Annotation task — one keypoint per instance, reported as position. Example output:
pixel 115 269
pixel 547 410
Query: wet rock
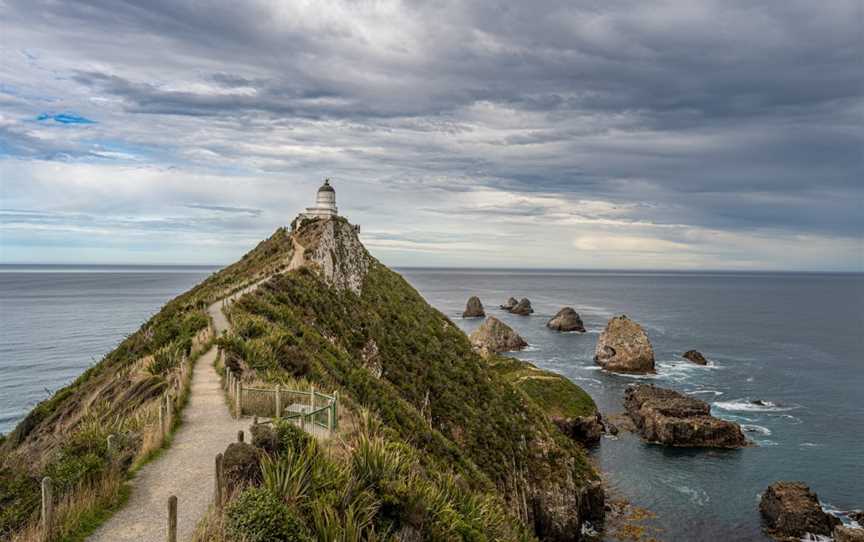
pixel 495 336
pixel 566 319
pixel 848 534
pixel 474 308
pixel 583 429
pixel 790 510
pixel 240 464
pixel 695 356
pixel 509 304
pixel 667 417
pixel 857 515
pixel 523 308
pixel 624 347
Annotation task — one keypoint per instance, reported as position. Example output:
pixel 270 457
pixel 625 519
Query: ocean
pixel 792 340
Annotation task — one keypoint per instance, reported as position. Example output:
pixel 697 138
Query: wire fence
pixel 310 409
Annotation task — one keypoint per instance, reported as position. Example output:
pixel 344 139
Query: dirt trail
pixel 186 469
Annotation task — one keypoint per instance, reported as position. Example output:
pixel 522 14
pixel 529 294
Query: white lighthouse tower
pixel 325 203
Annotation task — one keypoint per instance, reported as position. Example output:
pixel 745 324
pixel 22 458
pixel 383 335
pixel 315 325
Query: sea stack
pixel 791 510
pixel 509 304
pixel 566 319
pixel 474 308
pixel 695 356
pixel 494 336
pixel 667 417
pixel 624 347
pixel 523 308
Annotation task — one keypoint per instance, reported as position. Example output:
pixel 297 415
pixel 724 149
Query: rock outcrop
pixel 474 308
pixel 333 246
pixel 523 308
pixel 624 347
pixel 790 510
pixel 583 429
pixel 495 336
pixel 695 356
pixel 667 417
pixel 566 319
pixel 509 304
pixel 848 534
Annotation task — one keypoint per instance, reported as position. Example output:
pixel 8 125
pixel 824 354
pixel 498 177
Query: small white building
pixel 325 203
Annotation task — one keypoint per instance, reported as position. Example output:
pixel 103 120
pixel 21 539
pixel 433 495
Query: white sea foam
pixel 810 537
pixel 752 428
pixel 810 445
pixel 696 495
pixel 744 405
pixel 697 392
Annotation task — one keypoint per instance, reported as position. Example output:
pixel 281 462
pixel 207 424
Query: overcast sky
pixel 588 134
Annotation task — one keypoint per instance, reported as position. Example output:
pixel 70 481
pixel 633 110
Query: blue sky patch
pixel 65 118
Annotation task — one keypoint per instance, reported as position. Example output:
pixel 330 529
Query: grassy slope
pixel 64 436
pixel 435 394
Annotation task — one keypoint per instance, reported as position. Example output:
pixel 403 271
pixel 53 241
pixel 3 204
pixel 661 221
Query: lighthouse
pixel 325 203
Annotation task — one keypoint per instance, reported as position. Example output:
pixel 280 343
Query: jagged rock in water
pixel 848 534
pixel 523 308
pixel 509 304
pixel 667 417
pixel 372 358
pixel 566 319
pixel 624 347
pixel 695 356
pixel 857 515
pixel 474 308
pixel 584 429
pixel 495 336
pixel 790 510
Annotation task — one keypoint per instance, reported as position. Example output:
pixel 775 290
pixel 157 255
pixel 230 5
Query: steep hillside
pixel 393 354
pixel 476 433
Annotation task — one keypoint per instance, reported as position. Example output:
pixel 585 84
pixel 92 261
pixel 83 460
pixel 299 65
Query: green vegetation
pixel 556 395
pixel 119 394
pixel 258 515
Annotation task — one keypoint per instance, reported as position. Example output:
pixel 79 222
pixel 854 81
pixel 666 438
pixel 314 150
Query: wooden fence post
pixel 47 509
pixel 238 398
pixel 169 413
pixel 218 486
pixel 240 436
pixel 172 518
pixel 312 399
pixel 162 417
pixel 330 417
pixel 278 401
pixel 335 409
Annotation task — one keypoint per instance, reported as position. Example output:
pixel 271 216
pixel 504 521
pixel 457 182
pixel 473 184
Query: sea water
pixel 793 341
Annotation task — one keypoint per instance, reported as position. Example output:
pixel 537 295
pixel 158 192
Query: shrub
pixel 265 437
pixel 291 437
pixel 240 463
pixel 257 515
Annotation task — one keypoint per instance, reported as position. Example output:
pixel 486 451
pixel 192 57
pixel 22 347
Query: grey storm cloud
pixel 737 115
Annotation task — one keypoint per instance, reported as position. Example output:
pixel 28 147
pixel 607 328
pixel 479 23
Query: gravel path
pixel 186 469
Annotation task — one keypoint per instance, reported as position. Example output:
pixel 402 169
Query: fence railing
pixel 309 409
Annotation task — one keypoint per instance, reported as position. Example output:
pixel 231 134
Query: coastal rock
pixel 584 429
pixel 495 336
pixel 695 356
pixel 523 308
pixel 857 515
pixel 474 308
pixel 509 304
pixel 667 417
pixel 790 510
pixel 566 319
pixel 624 347
pixel 848 534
